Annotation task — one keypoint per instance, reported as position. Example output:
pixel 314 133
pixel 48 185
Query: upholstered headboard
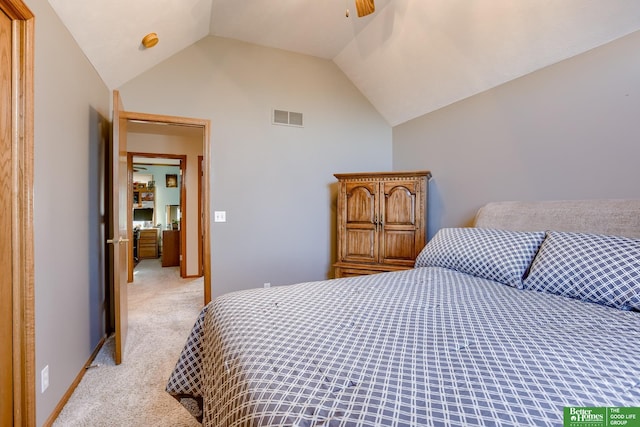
pixel 614 217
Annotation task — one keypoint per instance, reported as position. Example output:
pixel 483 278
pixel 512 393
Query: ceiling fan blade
pixel 365 7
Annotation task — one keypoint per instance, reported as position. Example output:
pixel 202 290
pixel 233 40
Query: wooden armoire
pixel 382 221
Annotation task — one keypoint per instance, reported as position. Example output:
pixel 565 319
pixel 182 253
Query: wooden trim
pixel 22 253
pixel 156 156
pixel 130 264
pixel 7 202
pixel 158 118
pixel 200 240
pixel 183 222
pixel 65 398
pixel 206 212
pixel 16 10
pixel 368 175
pixel 350 270
pixel 24 314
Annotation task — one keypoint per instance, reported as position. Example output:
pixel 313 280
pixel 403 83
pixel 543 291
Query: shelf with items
pixel 143 196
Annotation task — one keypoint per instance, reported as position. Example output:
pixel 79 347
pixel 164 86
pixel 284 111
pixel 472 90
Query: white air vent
pixel 287 118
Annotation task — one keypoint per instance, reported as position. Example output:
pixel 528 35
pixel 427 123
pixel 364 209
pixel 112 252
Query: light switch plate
pixel 44 379
pixel 220 216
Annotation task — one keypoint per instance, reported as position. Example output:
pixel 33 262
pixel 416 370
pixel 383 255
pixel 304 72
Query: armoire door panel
pixel 360 245
pixel 398 247
pixel 400 203
pixel 360 203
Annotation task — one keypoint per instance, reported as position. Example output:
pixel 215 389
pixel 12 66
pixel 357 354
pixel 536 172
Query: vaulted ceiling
pixel 408 58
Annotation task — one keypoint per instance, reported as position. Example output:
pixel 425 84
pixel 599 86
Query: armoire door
pixel 400 239
pixel 360 213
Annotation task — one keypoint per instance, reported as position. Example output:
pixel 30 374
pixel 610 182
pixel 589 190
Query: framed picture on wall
pixel 147 196
pixel 172 180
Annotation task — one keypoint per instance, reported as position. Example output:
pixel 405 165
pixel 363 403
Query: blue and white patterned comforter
pixel 422 347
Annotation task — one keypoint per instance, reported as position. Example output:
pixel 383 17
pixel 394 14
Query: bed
pixel 534 309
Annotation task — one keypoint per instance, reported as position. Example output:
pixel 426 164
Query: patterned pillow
pixel 589 267
pixel 499 255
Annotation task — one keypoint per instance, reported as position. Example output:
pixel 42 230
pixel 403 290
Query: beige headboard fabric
pixel 613 217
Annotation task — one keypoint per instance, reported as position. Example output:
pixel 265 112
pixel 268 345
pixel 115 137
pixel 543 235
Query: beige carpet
pixel 162 309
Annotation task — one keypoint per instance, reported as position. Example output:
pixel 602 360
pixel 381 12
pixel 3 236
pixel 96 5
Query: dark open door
pixel 119 240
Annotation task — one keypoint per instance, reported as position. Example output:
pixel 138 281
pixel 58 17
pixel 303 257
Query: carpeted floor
pixel 162 310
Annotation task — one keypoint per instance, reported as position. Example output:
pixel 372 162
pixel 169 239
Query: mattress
pixel 423 347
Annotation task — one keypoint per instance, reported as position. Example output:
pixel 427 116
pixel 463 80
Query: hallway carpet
pixel 162 310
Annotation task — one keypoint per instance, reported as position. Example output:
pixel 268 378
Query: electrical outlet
pixel 44 378
pixel 267 285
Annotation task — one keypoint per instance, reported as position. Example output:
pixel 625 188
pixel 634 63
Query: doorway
pixel 119 181
pixel 159 197
pixel 197 217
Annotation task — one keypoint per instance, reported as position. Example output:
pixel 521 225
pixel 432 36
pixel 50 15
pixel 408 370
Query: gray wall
pixel 275 182
pixel 71 124
pixel 569 131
